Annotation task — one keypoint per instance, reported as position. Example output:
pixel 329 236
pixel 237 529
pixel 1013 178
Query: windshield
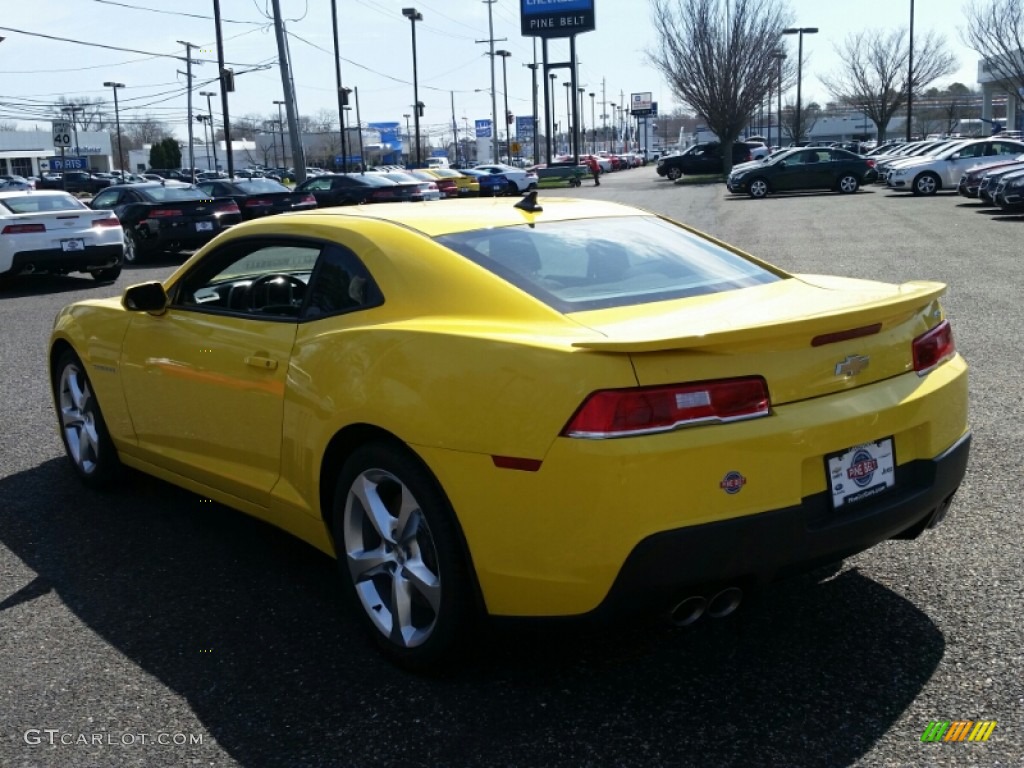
pixel 598 263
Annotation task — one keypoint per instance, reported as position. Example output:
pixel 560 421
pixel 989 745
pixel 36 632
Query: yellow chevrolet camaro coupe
pixel 553 409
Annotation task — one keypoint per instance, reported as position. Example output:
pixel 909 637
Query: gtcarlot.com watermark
pixel 55 737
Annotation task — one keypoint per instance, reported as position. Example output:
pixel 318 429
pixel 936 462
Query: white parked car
pixel 51 231
pixel 927 175
pixel 524 180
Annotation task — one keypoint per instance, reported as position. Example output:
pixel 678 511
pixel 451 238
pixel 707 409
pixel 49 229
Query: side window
pixel 105 199
pixel 259 278
pixel 341 283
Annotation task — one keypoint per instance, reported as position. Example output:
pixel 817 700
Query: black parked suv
pixel 706 158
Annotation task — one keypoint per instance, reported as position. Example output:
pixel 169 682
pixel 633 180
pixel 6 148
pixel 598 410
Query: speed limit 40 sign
pixel 61 133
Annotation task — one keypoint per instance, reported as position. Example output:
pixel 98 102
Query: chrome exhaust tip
pixel 687 611
pixel 725 602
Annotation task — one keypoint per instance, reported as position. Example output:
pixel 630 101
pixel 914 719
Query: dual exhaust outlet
pixel 723 603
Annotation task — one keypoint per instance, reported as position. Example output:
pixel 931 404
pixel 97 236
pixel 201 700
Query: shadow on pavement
pixel 812 674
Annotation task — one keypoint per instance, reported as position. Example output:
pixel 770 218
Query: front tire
pixel 758 189
pixel 926 184
pixel 400 553
pixel 82 428
pixel 848 184
pixel 673 174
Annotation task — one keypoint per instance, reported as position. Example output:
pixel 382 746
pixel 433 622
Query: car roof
pixel 464 215
pixel 34 193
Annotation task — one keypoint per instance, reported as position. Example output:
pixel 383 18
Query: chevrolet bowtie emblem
pixel 852 365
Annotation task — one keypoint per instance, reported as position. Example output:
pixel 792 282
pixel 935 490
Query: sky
pixel 376 52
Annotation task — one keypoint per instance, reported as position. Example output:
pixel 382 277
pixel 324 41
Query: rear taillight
pixel 308 199
pixel 109 221
pixel 229 206
pixel 22 229
pixel 162 213
pixel 871 163
pixel 643 410
pixel 254 204
pixel 933 348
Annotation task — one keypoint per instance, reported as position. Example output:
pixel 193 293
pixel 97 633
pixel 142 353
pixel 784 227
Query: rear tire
pixel 132 249
pixel 401 557
pixel 848 184
pixel 108 275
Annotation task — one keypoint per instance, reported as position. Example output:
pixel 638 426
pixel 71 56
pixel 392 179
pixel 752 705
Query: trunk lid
pixel 807 336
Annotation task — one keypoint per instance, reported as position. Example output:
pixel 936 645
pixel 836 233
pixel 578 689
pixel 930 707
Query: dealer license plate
pixel 75 244
pixel 204 226
pixel 861 472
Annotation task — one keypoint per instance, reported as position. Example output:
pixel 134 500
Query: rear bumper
pixel 155 235
pixel 56 260
pixel 749 551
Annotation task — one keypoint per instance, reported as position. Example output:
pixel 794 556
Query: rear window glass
pixel 162 194
pixel 261 185
pixel 594 264
pixel 42 203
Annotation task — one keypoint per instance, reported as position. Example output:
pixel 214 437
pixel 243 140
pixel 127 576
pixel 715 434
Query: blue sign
pixel 439 153
pixel 483 129
pixel 69 164
pixel 524 127
pixel 556 18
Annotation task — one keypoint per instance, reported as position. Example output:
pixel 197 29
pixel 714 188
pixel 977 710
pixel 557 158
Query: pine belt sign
pixel 556 18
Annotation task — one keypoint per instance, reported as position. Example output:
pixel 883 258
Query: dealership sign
pixel 556 18
pixel 524 127
pixel 483 129
pixel 640 104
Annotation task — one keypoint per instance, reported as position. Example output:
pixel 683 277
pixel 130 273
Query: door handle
pixel 261 362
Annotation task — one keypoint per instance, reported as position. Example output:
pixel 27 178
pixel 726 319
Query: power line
pixel 173 13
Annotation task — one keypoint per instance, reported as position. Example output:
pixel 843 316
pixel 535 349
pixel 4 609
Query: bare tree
pixel 8 126
pixel 809 117
pixel 718 57
pixel 140 131
pixel 875 70
pixel 87 115
pixel 995 29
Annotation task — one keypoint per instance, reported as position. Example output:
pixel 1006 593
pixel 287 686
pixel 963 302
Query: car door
pixel 792 172
pixel 204 382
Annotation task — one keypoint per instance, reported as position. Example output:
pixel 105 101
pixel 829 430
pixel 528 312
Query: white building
pixel 30 153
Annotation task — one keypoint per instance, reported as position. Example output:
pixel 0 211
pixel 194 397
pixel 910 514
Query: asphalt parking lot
pixel 147 628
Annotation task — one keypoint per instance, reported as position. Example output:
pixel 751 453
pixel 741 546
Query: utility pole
pixel 359 124
pixel 188 76
pixel 298 156
pixel 455 129
pixel 342 94
pixel 213 134
pixel 604 114
pixel 494 93
pixel 227 84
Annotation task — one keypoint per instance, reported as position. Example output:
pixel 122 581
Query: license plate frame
pixel 861 471
pixel 73 245
pixel 204 226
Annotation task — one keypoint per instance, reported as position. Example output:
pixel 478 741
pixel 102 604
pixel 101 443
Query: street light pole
pixel 342 92
pixel 910 72
pixel 213 129
pixel 779 57
pixel 593 127
pixel 413 16
pixel 581 144
pixel 568 117
pixel 191 145
pixel 117 120
pixel 550 109
pixel 800 32
pixel 408 133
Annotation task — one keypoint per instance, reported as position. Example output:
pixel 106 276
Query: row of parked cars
pixel 53 231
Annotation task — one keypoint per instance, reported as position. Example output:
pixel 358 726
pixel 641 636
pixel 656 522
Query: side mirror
pixel 782 163
pixel 954 156
pixel 145 297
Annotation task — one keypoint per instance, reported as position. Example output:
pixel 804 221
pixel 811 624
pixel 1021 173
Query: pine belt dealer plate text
pixel 861 471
